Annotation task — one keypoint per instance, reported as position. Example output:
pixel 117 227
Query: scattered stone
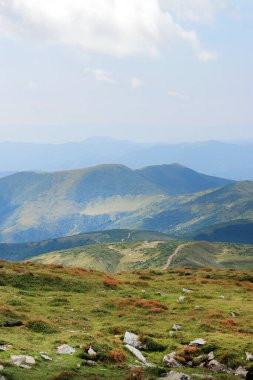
pixel 249 356
pixel 187 290
pixel 89 363
pixel 1 367
pixel 2 378
pixel 210 356
pixel 171 361
pixel 177 376
pixel 171 334
pixel 222 297
pixel 24 366
pixel 233 314
pixel 132 339
pixel 21 360
pixel 197 342
pixel 181 299
pixel 215 366
pixel 91 352
pixel 65 349
pixel 136 353
pixel 240 371
pixel 45 356
pixel 199 360
pixel 176 327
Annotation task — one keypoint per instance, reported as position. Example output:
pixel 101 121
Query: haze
pixel 145 70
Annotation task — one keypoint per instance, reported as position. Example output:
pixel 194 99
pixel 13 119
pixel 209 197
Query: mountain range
pixel 229 160
pixel 167 198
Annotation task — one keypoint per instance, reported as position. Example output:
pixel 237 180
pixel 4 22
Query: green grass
pixel 80 307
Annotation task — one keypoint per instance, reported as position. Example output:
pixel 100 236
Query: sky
pixel 143 70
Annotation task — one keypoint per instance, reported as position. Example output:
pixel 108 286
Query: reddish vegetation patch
pixel 215 315
pixel 153 305
pixel 229 322
pixel 116 356
pixel 110 282
pixel 145 277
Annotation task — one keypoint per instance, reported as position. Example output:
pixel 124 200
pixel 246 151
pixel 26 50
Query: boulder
pixel 181 299
pixel 177 376
pixel 136 353
pixel 22 360
pixel 215 366
pixel 171 361
pixel 187 290
pixel 249 356
pixel 65 349
pixel 197 342
pixel 91 352
pixel 176 327
pixel 132 339
pixel 240 371
pixel 1 367
pixel 210 356
pixel 2 378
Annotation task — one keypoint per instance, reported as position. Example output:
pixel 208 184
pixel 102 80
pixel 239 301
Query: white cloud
pixel 136 83
pixel 101 75
pixel 118 28
pixel 177 95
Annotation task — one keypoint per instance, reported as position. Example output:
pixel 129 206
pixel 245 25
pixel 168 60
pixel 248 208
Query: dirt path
pixel 174 254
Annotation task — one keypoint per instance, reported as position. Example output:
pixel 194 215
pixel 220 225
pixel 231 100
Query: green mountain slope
pixel 189 213
pixel 16 252
pixel 153 255
pixel 236 231
pixel 176 179
pixel 39 206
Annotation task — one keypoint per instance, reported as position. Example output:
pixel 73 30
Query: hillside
pixel 16 252
pixel 237 231
pixel 127 256
pixel 187 214
pixel 40 206
pixel 82 308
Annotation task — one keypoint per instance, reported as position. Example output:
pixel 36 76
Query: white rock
pixel 222 297
pixel 45 356
pixel 136 353
pixel 249 356
pixel 91 352
pixel 210 355
pixel 1 367
pixel 187 290
pixel 20 360
pixel 197 342
pixel 169 356
pixel 171 334
pixel 24 366
pixel 181 299
pixel 2 378
pixel 240 371
pixel 176 327
pixel 65 349
pixel 177 376
pixel 132 339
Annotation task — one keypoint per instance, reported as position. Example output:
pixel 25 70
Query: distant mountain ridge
pixel 228 160
pixel 38 206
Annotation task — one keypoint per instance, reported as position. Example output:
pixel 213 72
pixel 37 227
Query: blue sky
pixel 144 70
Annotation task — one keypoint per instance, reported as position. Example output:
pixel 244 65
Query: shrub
pixel 39 326
pixel 135 374
pixel 65 375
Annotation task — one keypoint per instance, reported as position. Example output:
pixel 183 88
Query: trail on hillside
pixel 174 254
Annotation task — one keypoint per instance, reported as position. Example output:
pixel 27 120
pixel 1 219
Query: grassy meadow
pixel 64 305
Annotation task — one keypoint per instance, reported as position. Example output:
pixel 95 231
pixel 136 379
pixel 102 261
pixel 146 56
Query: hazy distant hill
pixel 214 158
pixel 40 206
